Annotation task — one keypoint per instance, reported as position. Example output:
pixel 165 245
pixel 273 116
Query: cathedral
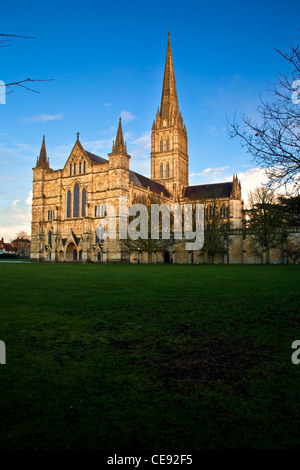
pixel 69 203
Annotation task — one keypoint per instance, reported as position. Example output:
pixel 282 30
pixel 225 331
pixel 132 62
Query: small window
pixel 103 210
pixel 50 214
pixel 161 171
pixel 168 171
pixel 99 235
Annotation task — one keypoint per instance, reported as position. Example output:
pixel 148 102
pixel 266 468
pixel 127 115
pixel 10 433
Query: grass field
pixel 168 357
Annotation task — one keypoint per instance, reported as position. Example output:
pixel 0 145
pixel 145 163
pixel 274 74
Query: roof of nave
pixel 208 191
pixel 95 159
pixel 144 182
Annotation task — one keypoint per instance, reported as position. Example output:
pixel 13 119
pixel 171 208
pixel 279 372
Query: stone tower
pixel 169 145
pixel 38 201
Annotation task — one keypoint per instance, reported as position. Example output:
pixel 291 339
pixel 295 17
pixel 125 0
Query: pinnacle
pixel 43 161
pixel 169 100
pixel 119 146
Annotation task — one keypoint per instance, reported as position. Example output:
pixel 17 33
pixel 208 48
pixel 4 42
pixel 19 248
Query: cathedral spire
pixel 119 146
pixel 169 101
pixel 42 161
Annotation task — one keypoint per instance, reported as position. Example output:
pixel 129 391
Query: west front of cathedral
pixel 68 204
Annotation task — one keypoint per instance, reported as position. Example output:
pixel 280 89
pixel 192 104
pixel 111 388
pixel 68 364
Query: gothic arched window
pixel 83 202
pixel 69 199
pixel 161 171
pixel 76 200
pixel 49 237
pixel 84 167
pixel 70 169
pixel 168 144
pixel 80 168
pixel 161 145
pixel 74 168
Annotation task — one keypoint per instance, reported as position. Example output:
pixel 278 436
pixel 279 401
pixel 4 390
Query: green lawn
pixel 163 357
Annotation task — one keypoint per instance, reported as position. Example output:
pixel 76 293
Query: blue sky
pixel 106 59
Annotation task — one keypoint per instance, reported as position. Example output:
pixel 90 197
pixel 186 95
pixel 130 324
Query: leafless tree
pixel 215 224
pixel 265 222
pixel 274 141
pixel 20 83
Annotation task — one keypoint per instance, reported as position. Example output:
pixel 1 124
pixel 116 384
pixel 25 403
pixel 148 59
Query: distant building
pixel 7 248
pixel 2 246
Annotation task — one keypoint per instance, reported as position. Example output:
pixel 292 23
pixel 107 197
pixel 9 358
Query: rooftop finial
pixel 77 135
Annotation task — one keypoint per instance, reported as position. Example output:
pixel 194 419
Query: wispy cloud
pixel 15 217
pixel 42 118
pixel 139 147
pixel 98 146
pixel 28 200
pixel 249 179
pixel 127 116
pixel 211 173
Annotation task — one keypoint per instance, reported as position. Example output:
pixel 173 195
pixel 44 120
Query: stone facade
pixel 69 203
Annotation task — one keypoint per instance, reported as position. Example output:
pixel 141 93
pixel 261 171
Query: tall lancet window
pixel 69 199
pixel 76 201
pixel 49 237
pixel 83 202
pixel 168 144
pixel 161 171
pixel 70 169
pixel 161 145
pixel 167 171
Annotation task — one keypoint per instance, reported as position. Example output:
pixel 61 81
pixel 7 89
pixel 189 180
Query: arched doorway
pixel 71 253
pixel 61 256
pixel 80 255
pixel 166 257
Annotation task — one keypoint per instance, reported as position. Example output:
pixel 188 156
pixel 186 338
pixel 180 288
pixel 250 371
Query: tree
pixel 215 224
pixel 265 222
pixel 149 245
pixel 274 142
pixel 213 231
pixel 290 207
pixel 20 83
pixel 293 250
pixel 22 243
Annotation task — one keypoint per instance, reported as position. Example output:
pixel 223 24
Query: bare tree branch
pixel 274 141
